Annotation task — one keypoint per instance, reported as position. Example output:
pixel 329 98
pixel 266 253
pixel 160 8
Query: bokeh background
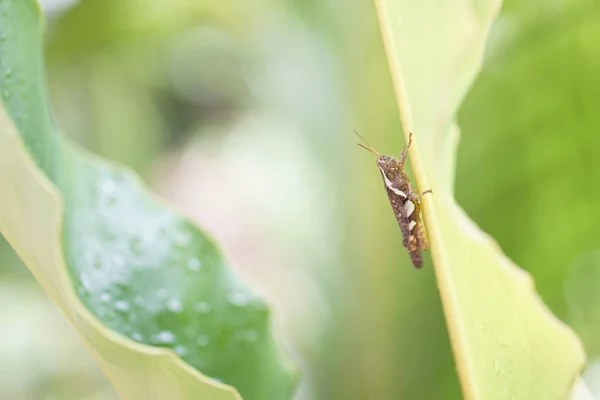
pixel 241 114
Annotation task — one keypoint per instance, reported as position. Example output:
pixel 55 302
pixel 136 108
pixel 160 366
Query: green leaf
pixel 150 294
pixel 581 291
pixel 505 341
pixel 540 70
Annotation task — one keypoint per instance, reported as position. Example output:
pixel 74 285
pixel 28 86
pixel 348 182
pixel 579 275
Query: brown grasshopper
pixel 405 202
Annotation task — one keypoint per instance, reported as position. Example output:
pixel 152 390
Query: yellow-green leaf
pixel 506 342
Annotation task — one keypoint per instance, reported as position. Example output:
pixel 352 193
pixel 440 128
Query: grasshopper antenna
pixel 368 146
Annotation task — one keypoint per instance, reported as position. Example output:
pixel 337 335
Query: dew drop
pixel 496 367
pixel 162 293
pixel 108 191
pixel 181 350
pixel 100 279
pixel 174 305
pixel 202 340
pixel 8 73
pixel 251 335
pixel 193 264
pixel 121 305
pixel 105 297
pixel 182 238
pixel 202 307
pixel 108 187
pixel 120 277
pixel 238 299
pixel 137 337
pixel 164 337
pixel 138 300
pixel 85 281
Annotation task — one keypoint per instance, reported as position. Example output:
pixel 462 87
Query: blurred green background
pixel 241 115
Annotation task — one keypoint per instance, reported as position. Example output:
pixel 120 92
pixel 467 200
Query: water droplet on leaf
pixel 164 337
pixel 193 264
pixel 137 337
pixel 121 305
pixel 496 367
pixel 202 340
pixel 108 186
pixel 138 300
pixel 85 281
pixel 182 238
pixel 174 305
pixel 105 297
pixel 239 299
pixel 251 335
pixel 181 350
